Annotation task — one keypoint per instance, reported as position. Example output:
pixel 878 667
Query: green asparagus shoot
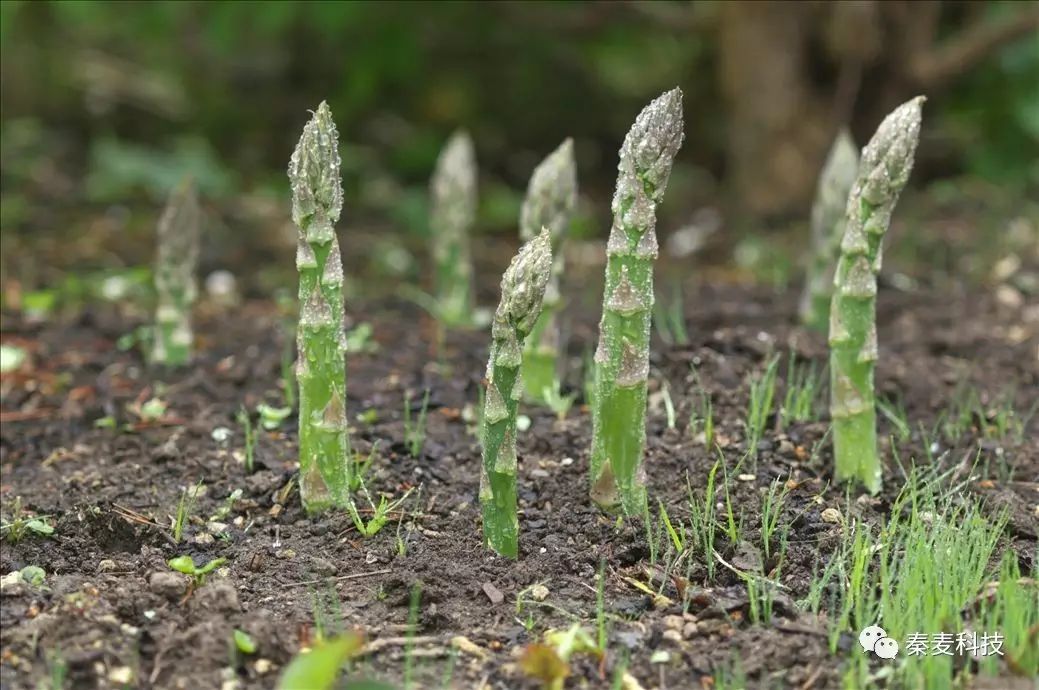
pixel 175 267
pixel 886 163
pixel 622 356
pixel 831 198
pixel 452 212
pixel 522 290
pixel 317 199
pixel 550 201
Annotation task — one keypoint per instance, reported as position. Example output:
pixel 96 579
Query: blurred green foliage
pixel 109 104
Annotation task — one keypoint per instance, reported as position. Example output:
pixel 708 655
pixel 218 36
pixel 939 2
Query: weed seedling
pixel 20 525
pixel 246 422
pixel 762 395
pixel 415 432
pixel 272 417
pixel 557 402
pixel 186 565
pixel 188 496
pixel 802 392
pixel 380 513
pixel 670 319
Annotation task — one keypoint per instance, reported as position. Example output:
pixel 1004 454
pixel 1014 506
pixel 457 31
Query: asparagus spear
pixel 453 210
pixel 522 292
pixel 551 197
pixel 317 199
pixel 622 356
pixel 886 163
pixel 831 198
pixel 175 267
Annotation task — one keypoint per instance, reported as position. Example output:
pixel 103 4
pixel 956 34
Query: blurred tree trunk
pixel 778 124
pixel 792 73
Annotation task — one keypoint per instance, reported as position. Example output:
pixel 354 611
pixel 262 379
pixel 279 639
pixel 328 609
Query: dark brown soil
pixel 110 611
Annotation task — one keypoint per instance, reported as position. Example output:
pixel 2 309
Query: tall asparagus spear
pixel 886 163
pixel 453 210
pixel 317 199
pixel 175 268
pixel 622 356
pixel 522 292
pixel 550 201
pixel 831 198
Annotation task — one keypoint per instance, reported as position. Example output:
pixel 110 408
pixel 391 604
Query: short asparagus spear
pixel 522 292
pixel 886 163
pixel 622 356
pixel 175 268
pixel 550 201
pixel 452 212
pixel 831 198
pixel 317 198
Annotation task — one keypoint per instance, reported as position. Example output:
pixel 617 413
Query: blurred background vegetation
pixel 106 105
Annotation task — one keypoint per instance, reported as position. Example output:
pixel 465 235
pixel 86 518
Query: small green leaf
pixel 153 409
pixel 107 422
pixel 33 574
pixel 244 643
pixel 11 358
pixel 272 417
pixel 40 526
pixel 211 566
pixel 183 564
pixel 319 668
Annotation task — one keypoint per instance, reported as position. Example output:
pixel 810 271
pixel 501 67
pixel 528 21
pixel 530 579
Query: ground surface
pixel 113 617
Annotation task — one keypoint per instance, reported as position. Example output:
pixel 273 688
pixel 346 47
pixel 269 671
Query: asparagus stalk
pixel 522 291
pixel 886 163
pixel 317 199
pixel 453 210
pixel 175 268
pixel 550 201
pixel 831 198
pixel 622 356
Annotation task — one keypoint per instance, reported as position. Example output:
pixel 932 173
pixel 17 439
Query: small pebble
pixel 220 597
pixel 167 584
pixel 493 593
pixel 539 592
pixel 832 515
pixel 121 675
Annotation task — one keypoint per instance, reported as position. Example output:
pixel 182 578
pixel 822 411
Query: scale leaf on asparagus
pixel 886 163
pixel 175 276
pixel 522 292
pixel 452 213
pixel 622 356
pixel 831 200
pixel 317 199
pixel 550 201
